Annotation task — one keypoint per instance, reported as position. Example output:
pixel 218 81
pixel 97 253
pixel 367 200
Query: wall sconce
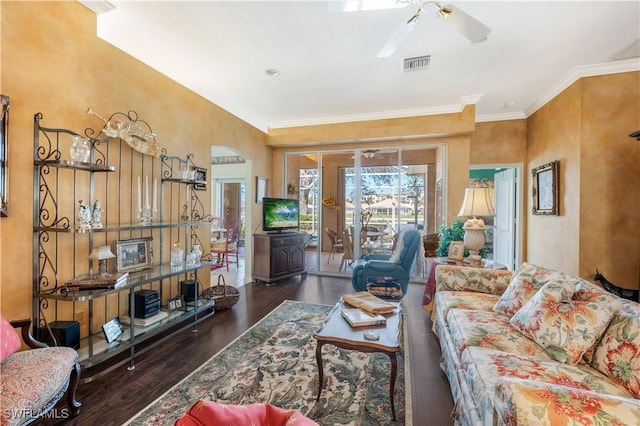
pixel 477 202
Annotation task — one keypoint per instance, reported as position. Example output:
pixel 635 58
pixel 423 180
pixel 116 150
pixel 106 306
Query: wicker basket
pixel 224 296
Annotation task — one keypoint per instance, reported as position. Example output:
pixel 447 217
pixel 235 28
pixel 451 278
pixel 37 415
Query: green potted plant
pixel 453 233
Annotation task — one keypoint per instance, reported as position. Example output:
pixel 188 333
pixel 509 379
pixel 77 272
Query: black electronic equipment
pixel 147 303
pixel 188 289
pixel 66 333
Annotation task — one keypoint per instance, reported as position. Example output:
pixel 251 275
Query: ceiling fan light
pixel 444 12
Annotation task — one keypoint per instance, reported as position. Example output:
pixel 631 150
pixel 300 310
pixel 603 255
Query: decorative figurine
pixel 84 215
pixel 96 213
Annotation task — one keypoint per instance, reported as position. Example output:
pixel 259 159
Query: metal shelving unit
pixel 61 246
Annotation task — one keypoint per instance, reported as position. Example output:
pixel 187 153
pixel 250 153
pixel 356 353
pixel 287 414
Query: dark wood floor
pixel 116 397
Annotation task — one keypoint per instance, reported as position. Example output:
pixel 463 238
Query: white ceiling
pixel 328 61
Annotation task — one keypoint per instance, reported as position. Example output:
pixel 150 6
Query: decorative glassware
pixel 177 254
pixel 196 253
pixel 80 148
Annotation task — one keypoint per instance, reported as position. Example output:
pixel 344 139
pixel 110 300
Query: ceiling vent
pixel 416 63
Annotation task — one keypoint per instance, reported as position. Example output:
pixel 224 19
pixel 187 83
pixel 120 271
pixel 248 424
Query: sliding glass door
pixel 356 201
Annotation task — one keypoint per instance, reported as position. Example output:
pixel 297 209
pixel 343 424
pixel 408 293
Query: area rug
pixel 274 361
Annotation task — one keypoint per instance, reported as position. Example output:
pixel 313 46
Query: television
pixel 280 214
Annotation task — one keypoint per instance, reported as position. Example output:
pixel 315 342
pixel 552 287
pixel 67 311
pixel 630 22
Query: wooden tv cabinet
pixel 278 256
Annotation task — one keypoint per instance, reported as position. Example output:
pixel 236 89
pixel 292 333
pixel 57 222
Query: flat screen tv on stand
pixel 280 214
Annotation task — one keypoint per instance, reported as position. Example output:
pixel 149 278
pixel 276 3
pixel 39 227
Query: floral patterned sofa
pixel 536 347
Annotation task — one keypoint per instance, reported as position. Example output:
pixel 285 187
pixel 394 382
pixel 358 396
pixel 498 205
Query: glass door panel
pixel 356 202
pixel 335 248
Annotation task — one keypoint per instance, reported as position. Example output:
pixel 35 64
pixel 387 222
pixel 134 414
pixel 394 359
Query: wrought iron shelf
pixel 62 247
pixel 185 181
pixel 76 165
pixel 94 349
pixel 115 228
pixel 135 279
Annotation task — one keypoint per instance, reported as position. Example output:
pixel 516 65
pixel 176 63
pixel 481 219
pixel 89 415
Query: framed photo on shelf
pixel 134 254
pixel 261 188
pixel 201 179
pixel 545 189
pixel 456 250
pixel 112 329
pixel 175 304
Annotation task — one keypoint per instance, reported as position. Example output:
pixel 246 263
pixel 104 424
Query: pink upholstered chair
pixel 33 381
pixel 212 413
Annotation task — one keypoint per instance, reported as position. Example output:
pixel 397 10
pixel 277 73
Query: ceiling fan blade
pixel 356 5
pixel 397 38
pixel 464 23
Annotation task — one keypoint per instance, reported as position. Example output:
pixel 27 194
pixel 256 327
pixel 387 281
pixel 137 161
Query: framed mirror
pixel 545 189
pixel 4 149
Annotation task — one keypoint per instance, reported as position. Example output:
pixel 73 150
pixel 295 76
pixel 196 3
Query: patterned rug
pixel 274 361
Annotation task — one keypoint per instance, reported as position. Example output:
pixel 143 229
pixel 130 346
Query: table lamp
pixel 101 254
pixel 477 202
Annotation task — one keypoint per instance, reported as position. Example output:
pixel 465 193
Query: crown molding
pixel 415 112
pixel 580 72
pixel 97 6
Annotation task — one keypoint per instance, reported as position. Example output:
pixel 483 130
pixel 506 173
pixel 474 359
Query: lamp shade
pixel 101 253
pixel 477 202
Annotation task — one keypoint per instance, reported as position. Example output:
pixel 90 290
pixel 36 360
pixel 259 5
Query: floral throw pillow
pixel 566 328
pixel 526 282
pixel 9 339
pixel 618 353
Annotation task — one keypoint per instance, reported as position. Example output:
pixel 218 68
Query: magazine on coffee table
pixel 368 302
pixel 359 318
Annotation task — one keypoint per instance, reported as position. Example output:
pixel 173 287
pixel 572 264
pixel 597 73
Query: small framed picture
pixel 545 189
pixel 261 188
pixel 175 304
pixel 112 330
pixel 132 255
pixel 201 179
pixel 456 250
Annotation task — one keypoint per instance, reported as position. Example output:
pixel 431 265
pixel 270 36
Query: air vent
pixel 416 63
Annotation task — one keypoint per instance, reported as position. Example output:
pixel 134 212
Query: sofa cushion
pixel 9 339
pixel 526 282
pixel 564 326
pixel 618 352
pixel 446 300
pixel 526 402
pixel 481 280
pixel 485 368
pixel 488 329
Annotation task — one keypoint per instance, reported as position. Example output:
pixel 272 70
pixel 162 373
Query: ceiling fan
pixel 367 153
pixel 457 19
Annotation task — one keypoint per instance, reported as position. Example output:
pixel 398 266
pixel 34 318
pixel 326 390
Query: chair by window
pixel 336 243
pixel 347 257
pixel 228 246
pixel 397 264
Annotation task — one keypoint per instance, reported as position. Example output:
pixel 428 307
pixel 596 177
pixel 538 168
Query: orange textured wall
pixel 53 62
pixel 586 128
pixel 554 134
pixel 499 142
pixel 610 178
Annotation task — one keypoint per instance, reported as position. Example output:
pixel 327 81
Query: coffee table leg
pixel 394 371
pixel 320 369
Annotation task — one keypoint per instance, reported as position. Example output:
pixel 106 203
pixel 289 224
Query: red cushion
pixel 9 339
pixel 212 413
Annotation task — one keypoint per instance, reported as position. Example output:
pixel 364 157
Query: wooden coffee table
pixel 337 331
